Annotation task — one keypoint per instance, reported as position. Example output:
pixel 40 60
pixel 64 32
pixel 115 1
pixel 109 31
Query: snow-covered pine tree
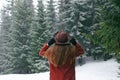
pixel 108 34
pixel 22 23
pixel 97 51
pixel 86 21
pixel 5 46
pixel 39 36
pixel 65 14
pixel 90 25
pixel 51 16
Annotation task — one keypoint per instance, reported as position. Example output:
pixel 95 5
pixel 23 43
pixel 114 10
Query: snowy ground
pixel 97 70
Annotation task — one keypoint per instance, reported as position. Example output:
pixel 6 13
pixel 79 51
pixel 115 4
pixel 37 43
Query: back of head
pixel 61 37
pixel 62 52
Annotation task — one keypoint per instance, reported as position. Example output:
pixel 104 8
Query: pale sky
pixel 3 2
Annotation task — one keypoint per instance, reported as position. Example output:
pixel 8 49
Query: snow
pixel 95 70
pixel 99 70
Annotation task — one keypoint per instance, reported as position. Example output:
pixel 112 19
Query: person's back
pixel 61 56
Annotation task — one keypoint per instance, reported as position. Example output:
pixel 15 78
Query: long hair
pixel 59 55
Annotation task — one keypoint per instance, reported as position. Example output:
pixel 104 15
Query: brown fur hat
pixel 61 37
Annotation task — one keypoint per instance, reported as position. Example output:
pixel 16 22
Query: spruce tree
pixel 65 15
pixel 85 23
pixel 108 34
pixel 22 23
pixel 39 36
pixel 51 16
pixel 5 37
pixel 5 46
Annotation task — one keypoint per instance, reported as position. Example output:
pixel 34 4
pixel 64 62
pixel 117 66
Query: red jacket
pixel 64 72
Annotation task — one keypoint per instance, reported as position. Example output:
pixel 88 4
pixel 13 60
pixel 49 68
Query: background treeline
pixel 25 28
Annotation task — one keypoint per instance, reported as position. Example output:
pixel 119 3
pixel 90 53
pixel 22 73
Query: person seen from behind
pixel 61 52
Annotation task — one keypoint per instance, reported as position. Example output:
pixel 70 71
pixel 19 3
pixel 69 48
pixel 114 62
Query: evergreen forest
pixel 24 28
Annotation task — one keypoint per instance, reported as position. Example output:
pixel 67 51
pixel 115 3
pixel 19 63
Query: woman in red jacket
pixel 61 52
